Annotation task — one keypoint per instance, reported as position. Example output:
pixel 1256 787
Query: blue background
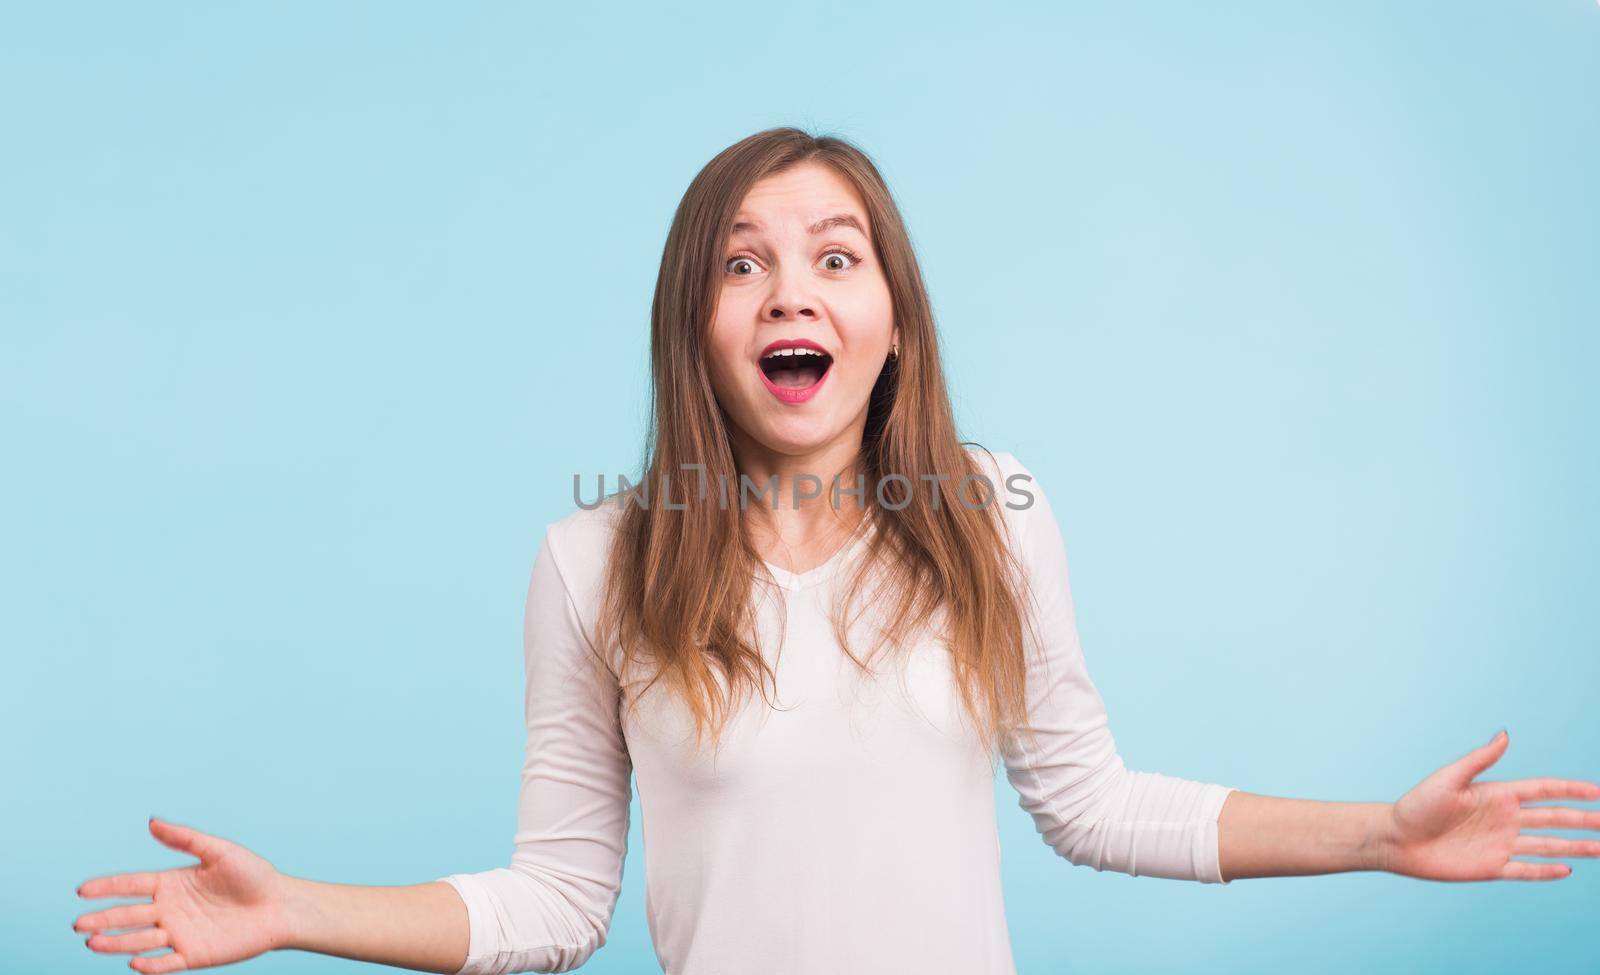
pixel 310 313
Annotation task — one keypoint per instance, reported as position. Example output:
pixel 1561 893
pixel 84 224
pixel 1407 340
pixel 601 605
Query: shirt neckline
pixel 826 569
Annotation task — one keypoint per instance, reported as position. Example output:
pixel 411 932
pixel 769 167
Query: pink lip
pixel 794 396
pixel 782 344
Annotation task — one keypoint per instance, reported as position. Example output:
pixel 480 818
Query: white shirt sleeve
pixel 1086 805
pixel 551 908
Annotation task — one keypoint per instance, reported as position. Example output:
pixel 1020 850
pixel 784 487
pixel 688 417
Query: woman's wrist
pixel 1360 834
pixel 1378 850
pixel 299 915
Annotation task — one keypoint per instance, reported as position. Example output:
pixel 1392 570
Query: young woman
pixel 810 631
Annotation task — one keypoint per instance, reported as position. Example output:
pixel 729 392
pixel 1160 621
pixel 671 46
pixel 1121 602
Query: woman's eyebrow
pixel 837 220
pixel 826 223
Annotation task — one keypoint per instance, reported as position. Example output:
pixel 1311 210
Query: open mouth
pixel 793 371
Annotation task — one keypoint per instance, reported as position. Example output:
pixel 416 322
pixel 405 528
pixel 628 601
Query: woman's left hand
pixel 1452 828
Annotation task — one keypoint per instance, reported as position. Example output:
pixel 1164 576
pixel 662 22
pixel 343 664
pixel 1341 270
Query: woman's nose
pixel 780 310
pixel 790 300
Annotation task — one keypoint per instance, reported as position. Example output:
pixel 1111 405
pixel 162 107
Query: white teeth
pixel 790 352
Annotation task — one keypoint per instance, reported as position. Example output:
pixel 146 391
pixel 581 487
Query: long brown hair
pixel 679 581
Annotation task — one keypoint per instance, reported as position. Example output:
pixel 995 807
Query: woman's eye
pixel 838 261
pixel 741 266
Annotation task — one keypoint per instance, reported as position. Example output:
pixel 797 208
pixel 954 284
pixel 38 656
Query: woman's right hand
pixel 227 908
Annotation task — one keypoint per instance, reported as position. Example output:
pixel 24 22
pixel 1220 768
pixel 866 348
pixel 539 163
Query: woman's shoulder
pixel 995 464
pixel 579 543
pixel 1016 493
pixel 1011 478
pixel 584 533
pixel 593 522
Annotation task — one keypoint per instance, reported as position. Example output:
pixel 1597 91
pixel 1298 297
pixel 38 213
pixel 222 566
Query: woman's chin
pixel 795 436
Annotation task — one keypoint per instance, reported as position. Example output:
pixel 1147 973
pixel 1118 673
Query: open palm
pixel 225 909
pixel 1452 828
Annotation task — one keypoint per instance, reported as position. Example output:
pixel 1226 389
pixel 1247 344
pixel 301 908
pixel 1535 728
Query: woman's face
pixel 800 277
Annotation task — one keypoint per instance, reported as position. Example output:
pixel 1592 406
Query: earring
pixel 894 352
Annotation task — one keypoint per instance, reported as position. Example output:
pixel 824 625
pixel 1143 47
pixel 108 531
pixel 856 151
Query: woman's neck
pixel 808 505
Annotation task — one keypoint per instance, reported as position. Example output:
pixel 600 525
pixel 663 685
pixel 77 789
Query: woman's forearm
pixel 1268 836
pixel 421 926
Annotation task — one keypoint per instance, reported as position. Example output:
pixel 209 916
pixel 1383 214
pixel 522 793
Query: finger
pixel 190 841
pixel 1558 817
pixel 1523 870
pixel 1554 846
pixel 122 916
pixel 131 943
pixel 1472 764
pixel 1533 790
pixel 156 964
pixel 141 884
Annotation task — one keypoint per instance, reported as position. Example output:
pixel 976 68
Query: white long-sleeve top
pixel 850 830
